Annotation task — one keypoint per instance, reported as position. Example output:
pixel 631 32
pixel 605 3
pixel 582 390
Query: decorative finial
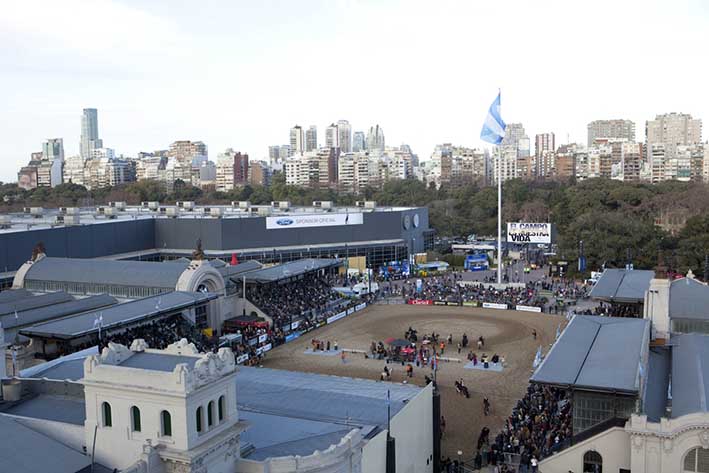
pixel 38 251
pixel 198 253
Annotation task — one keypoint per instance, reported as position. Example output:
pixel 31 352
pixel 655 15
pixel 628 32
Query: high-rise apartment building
pixel 375 139
pixel 344 134
pixel 274 153
pixel 542 143
pixel 185 151
pixel 604 131
pixel 505 161
pixel 311 138
pixel 359 142
pixel 241 169
pixel 674 129
pixel 332 138
pixel 89 133
pixel 297 140
pixel 516 136
pixel 53 149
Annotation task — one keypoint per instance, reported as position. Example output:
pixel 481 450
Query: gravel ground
pixel 507 333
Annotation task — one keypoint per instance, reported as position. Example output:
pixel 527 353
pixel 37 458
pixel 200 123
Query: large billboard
pixel 314 220
pixel 529 232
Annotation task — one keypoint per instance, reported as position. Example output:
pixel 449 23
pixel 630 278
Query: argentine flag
pixel 494 128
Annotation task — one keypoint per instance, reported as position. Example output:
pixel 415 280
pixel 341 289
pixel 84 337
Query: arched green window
pixel 106 414
pixel 221 407
pixel 199 419
pixel 135 419
pixel 166 423
pixel 210 413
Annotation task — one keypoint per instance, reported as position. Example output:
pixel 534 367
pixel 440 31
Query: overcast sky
pixel 240 74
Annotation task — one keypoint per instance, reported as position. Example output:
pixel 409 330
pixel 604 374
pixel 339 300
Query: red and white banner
pixel 420 302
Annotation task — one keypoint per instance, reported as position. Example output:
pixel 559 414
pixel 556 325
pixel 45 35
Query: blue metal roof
pixel 117 315
pixel 621 285
pixel 55 311
pixel 33 302
pixel 689 299
pixel 690 373
pixel 597 353
pixel 290 269
pixel 104 271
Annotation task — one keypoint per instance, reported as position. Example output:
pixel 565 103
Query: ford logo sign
pixel 284 221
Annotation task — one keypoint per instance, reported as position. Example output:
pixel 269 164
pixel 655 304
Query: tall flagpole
pixel 499 214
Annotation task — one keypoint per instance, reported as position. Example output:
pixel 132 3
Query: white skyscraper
pixel 332 138
pixel 344 131
pixel 89 133
pixel 359 142
pixel 297 140
pixel 375 139
pixel 311 138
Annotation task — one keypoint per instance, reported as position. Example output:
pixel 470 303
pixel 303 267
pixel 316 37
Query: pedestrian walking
pixel 342 357
pixel 534 333
pixel 460 347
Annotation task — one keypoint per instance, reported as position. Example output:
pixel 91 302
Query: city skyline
pixel 234 108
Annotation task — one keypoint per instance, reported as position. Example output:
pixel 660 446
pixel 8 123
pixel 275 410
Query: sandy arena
pixel 507 333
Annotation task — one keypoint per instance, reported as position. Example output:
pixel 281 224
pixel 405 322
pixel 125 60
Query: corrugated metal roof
pixel 658 379
pixel 9 295
pixel 600 353
pixel 290 269
pixel 34 302
pixel 55 311
pixel 319 397
pixel 621 285
pixel 239 269
pixel 689 299
pixel 25 450
pixel 115 272
pixel 117 315
pixel 690 373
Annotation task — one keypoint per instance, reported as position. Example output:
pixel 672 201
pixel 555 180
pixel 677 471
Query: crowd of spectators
pixel 305 299
pixel 613 310
pixel 539 426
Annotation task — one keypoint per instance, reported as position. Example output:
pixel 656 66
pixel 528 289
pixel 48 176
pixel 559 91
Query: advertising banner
pixel 262 338
pixel 293 336
pixel 440 303
pixel 493 305
pixel 336 317
pixel 470 303
pixel 242 359
pixel 361 306
pixel 295 325
pixel 528 308
pixel 420 302
pixel 314 220
pixel 518 232
pixel 266 347
pixel 350 311
pixel 253 341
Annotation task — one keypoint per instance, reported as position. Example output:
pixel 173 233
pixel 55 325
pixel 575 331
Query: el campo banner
pixel 518 232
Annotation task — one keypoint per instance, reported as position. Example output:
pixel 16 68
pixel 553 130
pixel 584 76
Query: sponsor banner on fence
pixel 293 336
pixel 528 308
pixel 440 303
pixel 420 302
pixel 321 324
pixel 518 232
pixel 336 317
pixel 266 347
pixel 361 306
pixel 350 311
pixel 295 325
pixel 262 338
pixel 253 341
pixel 315 220
pixel 493 305
pixel 241 359
pixel 470 303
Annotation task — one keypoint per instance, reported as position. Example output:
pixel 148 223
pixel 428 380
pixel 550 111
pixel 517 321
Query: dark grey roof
pixel 658 379
pixel 276 435
pixel 158 362
pixel 51 312
pixel 597 353
pixel 24 450
pixel 239 269
pixel 13 295
pixel 117 315
pixel 690 373
pixel 290 269
pixel 69 410
pixel 689 299
pixel 103 271
pixel 34 302
pixel 319 397
pixel 621 285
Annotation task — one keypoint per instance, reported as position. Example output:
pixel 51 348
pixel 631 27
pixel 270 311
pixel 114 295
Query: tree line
pixel 617 221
